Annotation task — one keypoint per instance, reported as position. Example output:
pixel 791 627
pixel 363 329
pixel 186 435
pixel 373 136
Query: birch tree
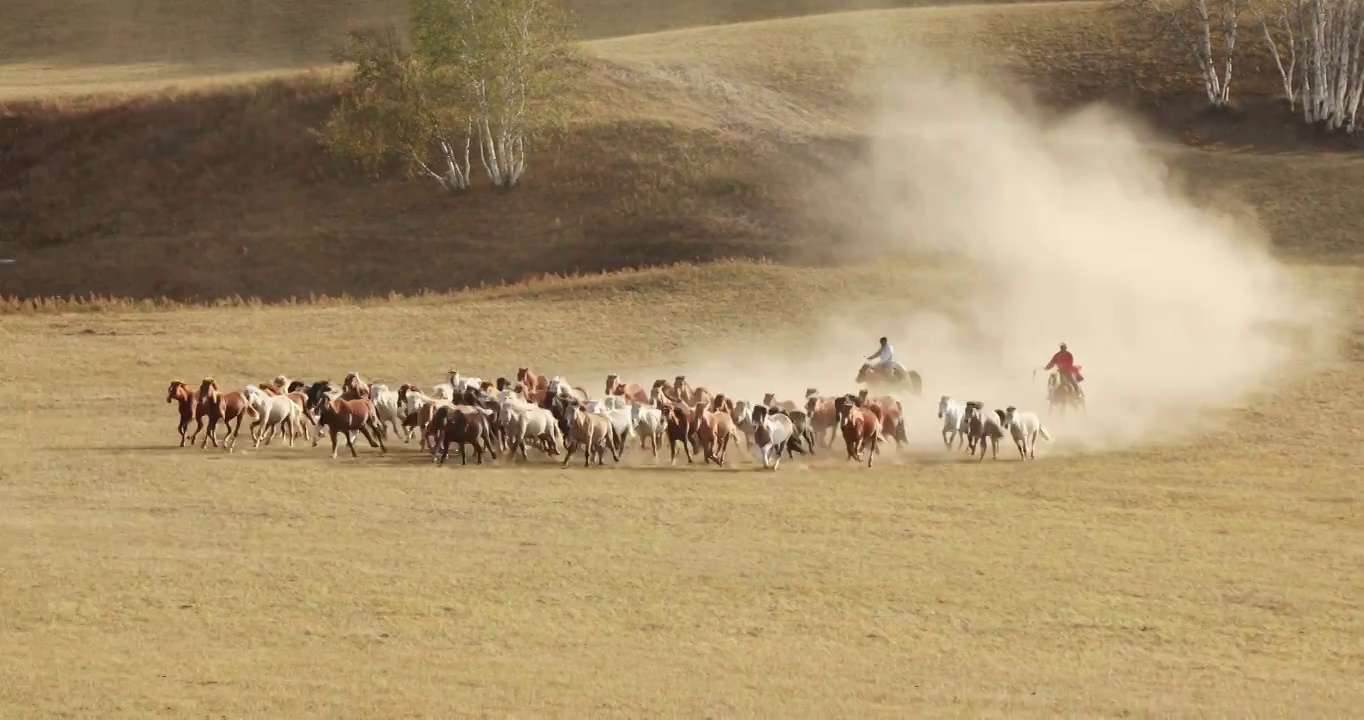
pixel 398 105
pixel 506 54
pixel 1317 47
pixel 482 74
pixel 1208 30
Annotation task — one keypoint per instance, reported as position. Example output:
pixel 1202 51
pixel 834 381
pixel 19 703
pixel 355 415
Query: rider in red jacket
pixel 1065 362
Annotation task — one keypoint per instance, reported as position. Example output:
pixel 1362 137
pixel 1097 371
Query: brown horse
pixel 714 430
pixel 680 421
pixel 823 414
pixel 222 407
pixel 188 402
pixel 631 391
pixel 463 425
pixel 861 430
pixel 721 404
pixel 592 432
pixel 354 387
pixel 770 400
pixel 890 412
pixel 535 384
pixel 687 394
pixel 345 417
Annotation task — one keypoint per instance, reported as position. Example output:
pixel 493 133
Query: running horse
pixel 1060 394
pixel 885 376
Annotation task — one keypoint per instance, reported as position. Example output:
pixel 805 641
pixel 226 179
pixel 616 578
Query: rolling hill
pixel 686 145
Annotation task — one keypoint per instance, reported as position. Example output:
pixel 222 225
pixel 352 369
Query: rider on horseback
pixel 1064 363
pixel 885 356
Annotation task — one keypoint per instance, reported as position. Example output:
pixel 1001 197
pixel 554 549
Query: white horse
pixel 743 422
pixel 558 385
pixel 271 411
pixel 621 416
pixel 986 428
pixel 1024 427
pixel 455 386
pixel 413 402
pixel 953 415
pixel 386 406
pixel 522 420
pixel 770 434
pixel 648 421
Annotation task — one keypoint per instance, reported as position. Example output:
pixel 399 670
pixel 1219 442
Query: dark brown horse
pixel 463 425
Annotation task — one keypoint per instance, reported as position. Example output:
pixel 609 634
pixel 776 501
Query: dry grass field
pixel 1194 546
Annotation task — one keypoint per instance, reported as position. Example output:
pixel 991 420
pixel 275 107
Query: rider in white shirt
pixel 885 355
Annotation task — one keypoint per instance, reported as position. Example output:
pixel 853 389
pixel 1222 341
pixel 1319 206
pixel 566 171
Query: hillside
pixel 686 145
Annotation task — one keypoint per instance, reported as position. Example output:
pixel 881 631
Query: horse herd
pixel 559 418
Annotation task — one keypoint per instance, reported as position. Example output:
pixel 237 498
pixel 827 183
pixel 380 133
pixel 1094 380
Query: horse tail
pixel 1043 432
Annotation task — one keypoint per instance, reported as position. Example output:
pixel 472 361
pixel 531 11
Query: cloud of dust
pixel 1045 230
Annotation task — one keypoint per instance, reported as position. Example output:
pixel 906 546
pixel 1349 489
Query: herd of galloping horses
pixel 558 418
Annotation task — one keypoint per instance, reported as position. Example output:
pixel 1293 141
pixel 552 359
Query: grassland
pixel 1216 575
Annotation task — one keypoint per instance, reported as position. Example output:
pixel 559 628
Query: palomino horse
pixel 869 375
pixel 1060 394
pixel 715 429
pixel 222 407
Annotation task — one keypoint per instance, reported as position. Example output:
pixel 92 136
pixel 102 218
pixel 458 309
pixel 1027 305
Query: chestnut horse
pixel 347 417
pixel 188 402
pixel 535 384
pixel 222 407
pixel 861 430
pixel 680 421
pixel 770 401
pixel 823 414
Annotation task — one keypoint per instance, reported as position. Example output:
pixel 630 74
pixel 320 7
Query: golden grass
pixel 1220 577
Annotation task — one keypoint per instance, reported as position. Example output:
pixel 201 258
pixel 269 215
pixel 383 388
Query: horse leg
pixel 875 448
pixel 569 448
pixel 365 431
pixel 350 442
pixel 334 432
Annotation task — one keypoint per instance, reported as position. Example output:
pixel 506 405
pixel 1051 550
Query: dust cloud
pixel 1034 230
